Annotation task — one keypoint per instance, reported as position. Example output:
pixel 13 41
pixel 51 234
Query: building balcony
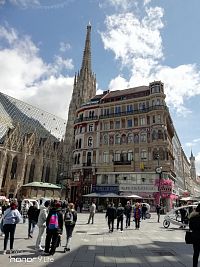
pixel 126 162
pixel 133 112
pixel 86 119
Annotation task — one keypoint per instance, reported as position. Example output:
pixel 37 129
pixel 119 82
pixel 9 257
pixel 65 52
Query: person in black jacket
pixel 70 219
pixel 33 213
pixel 194 225
pixel 128 210
pixel 111 215
pixel 120 216
pixel 54 230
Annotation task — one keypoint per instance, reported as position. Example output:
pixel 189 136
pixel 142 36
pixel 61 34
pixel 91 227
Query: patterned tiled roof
pixel 30 118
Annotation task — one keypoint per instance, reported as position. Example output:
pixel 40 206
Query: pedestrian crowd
pixel 52 216
pixel 139 212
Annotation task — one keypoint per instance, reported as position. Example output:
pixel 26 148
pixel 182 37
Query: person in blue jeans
pixel 10 218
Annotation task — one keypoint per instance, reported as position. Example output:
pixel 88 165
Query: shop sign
pixel 138 188
pixel 166 189
pixel 105 189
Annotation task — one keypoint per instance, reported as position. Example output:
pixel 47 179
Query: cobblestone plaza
pixel 92 245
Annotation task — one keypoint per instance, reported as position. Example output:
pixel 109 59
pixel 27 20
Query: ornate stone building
pixel 30 146
pixel 121 138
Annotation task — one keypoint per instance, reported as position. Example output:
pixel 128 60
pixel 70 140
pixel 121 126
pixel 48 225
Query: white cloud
pixel 41 4
pixel 62 64
pixel 24 75
pixel 136 42
pixel 197 161
pixel 52 95
pixel 64 46
pixel 118 83
pixel 25 3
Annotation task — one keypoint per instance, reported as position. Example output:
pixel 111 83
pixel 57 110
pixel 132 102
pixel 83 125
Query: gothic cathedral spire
pixel 193 167
pixel 84 88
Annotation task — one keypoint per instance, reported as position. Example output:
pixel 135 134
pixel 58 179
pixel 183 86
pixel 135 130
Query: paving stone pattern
pixel 93 246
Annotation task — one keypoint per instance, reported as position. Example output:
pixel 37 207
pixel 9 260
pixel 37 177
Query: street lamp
pixel 158 170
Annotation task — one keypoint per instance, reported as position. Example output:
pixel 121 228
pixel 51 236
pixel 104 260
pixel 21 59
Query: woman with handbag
pixel 194 225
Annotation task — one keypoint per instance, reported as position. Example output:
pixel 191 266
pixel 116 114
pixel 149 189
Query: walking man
pixel 120 216
pixel 92 212
pixel 144 210
pixel 111 215
pixel 128 210
pixel 33 213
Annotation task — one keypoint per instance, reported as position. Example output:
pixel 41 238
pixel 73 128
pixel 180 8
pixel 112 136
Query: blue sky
pixel 134 42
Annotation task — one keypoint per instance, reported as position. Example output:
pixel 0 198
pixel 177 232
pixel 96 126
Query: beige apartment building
pixel 121 137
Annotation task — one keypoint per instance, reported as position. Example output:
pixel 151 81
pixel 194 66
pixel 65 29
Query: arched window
pixel 105 139
pixel 105 157
pixel 117 139
pixel 123 139
pixel 154 135
pixel 130 155
pixel 5 172
pixel 160 135
pixel 143 137
pixel 130 138
pixel 43 168
pixel 124 156
pixel 32 170
pixel 13 171
pixel 155 154
pixel 80 142
pixel 47 175
pixel 90 141
pixel 136 138
pixel 143 154
pixel 78 158
pixel 75 159
pixel 25 172
pixel 117 156
pixel 161 153
pixel 89 159
pixel 76 143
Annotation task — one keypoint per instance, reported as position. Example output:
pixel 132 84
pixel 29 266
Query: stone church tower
pixel 84 89
pixel 193 168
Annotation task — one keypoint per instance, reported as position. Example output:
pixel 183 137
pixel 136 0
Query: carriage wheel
pixel 166 223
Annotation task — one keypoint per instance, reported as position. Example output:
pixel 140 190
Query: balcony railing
pixel 127 162
pixel 86 119
pixel 123 113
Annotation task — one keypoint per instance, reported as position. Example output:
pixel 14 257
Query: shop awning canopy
pixel 189 199
pixel 132 196
pixel 106 195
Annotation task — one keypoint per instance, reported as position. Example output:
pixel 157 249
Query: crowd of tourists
pixel 52 217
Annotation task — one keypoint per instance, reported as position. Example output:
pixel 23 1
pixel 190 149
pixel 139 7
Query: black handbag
pixel 188 237
pixel 58 241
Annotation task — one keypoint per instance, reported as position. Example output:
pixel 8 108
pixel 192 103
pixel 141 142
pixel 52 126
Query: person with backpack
pixel 54 224
pixel 10 218
pixel 33 213
pixel 70 219
pixel 42 224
